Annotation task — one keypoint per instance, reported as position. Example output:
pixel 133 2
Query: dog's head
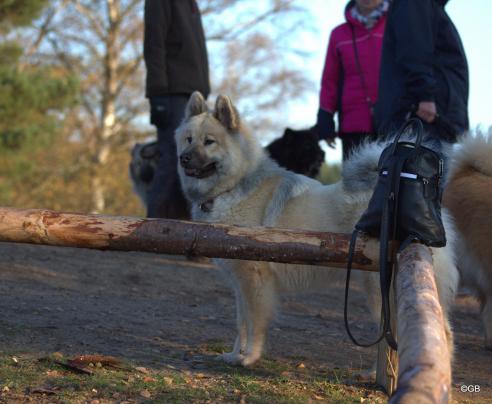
pixel 143 165
pixel 214 149
pixel 298 151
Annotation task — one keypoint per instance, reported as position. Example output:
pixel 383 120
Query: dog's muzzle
pixel 191 169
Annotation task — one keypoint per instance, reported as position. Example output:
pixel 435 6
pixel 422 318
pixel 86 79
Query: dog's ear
pixel 226 113
pixel 196 105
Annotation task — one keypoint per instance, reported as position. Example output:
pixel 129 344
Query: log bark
pixel 424 359
pixel 184 238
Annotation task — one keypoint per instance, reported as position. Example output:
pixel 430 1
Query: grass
pixel 25 379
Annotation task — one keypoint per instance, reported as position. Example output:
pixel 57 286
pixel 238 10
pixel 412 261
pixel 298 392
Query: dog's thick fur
pixel 468 196
pixel 298 151
pixel 228 178
pixel 143 165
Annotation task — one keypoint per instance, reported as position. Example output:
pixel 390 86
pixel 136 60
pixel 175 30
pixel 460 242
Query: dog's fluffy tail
pixel 473 152
pixel 360 171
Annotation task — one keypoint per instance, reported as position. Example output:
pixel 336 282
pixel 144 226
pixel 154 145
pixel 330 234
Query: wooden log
pixel 184 238
pixel 424 359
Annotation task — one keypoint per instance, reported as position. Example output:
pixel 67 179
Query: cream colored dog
pixel 468 196
pixel 228 178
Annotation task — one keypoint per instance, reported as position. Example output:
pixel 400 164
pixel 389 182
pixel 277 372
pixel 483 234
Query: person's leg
pixel 350 141
pixel 165 197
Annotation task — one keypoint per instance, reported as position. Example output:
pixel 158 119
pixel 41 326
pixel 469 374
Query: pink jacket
pixel 342 74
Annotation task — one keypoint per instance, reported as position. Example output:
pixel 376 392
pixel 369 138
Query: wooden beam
pixel 184 238
pixel 424 374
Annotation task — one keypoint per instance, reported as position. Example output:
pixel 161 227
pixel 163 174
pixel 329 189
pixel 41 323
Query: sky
pixel 473 21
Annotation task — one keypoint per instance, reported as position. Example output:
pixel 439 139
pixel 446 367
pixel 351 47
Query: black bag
pixel 405 207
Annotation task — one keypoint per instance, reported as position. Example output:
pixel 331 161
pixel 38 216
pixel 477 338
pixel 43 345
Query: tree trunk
pixel 184 238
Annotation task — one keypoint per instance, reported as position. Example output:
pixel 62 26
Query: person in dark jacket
pixel 177 64
pixel 424 71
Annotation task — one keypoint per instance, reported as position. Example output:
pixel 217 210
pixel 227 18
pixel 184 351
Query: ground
pixel 165 318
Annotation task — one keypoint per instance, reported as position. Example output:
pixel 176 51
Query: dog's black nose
pixel 185 158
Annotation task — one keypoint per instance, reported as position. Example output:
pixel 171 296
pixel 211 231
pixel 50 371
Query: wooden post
pixel 184 238
pixel 424 358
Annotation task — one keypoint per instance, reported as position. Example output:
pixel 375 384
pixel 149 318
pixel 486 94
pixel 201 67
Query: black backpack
pixel 405 207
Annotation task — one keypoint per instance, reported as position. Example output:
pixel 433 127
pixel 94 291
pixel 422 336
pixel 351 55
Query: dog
pixel 468 196
pixel 298 151
pixel 142 168
pixel 228 178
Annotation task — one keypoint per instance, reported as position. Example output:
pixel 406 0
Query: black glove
pixel 325 125
pixel 159 111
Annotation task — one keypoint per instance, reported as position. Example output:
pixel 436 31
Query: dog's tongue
pixel 191 171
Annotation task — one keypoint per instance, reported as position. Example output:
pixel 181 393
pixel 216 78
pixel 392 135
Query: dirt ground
pixel 149 309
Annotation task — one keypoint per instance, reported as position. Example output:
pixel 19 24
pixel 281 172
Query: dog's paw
pixel 250 360
pixel 232 358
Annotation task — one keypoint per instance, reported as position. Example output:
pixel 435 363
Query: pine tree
pixel 32 98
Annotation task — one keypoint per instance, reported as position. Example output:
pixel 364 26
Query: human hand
pixel 427 111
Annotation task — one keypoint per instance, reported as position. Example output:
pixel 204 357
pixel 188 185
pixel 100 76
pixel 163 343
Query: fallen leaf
pixel 145 394
pixel 57 355
pixel 149 379
pixel 75 367
pixel 317 398
pixel 141 369
pixel 168 380
pixel 53 373
pixel 97 360
pixel 43 390
pixel 301 366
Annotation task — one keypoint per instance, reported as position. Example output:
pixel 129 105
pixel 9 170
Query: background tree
pixel 32 99
pixel 100 42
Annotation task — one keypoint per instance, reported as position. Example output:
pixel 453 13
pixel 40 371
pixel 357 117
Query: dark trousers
pixel 350 141
pixel 165 197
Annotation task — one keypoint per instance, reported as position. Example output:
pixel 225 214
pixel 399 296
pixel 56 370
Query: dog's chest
pixel 239 208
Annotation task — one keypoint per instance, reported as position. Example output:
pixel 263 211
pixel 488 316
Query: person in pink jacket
pixel 349 85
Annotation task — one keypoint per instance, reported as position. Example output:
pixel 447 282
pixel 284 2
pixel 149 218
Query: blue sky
pixel 473 21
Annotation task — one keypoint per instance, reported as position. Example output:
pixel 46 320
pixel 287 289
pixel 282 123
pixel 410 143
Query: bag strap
pixel 353 241
pixel 386 257
pixel 417 125
pixel 389 226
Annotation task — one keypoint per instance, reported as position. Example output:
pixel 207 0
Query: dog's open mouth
pixel 202 172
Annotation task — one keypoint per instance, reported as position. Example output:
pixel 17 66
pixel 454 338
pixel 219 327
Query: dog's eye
pixel 209 142
pixel 189 139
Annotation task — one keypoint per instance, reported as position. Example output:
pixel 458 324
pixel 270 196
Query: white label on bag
pixel 404 175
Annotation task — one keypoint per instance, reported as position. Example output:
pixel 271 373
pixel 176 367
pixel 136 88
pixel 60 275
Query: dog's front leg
pixel 236 356
pixel 259 294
